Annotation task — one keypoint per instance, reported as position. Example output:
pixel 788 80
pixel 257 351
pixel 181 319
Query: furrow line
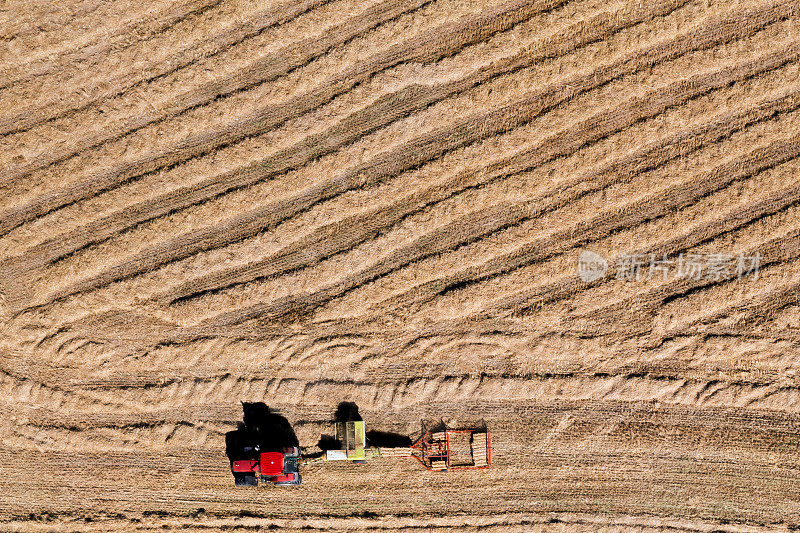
pixel 660 99
pixel 754 162
pixel 729 221
pixel 477 28
pixel 345 234
pixel 61 108
pixel 140 28
pixel 201 144
pixel 757 309
pixel 538 250
pixel 415 153
pixel 773 252
pixel 384 111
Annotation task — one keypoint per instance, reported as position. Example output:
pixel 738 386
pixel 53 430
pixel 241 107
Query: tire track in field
pixel 545 387
pixel 33 116
pixel 379 114
pixel 414 153
pixel 480 224
pixel 59 437
pixel 345 234
pixel 141 28
pixel 452 38
pixel 408 391
pixel 444 522
pixel 22 389
pixel 272 67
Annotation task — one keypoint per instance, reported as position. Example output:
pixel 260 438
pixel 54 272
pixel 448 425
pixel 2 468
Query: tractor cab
pixel 278 468
pixel 271 464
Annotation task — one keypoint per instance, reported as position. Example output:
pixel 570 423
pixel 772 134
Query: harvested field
pixel 474 211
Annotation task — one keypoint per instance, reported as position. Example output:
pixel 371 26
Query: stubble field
pixel 303 202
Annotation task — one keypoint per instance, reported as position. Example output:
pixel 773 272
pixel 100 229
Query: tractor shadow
pixel 261 430
pixel 348 412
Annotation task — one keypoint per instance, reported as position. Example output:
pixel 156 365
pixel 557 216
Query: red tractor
pixel 278 468
pixel 265 446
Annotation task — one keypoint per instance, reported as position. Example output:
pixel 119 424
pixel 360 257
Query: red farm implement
pixel 454 449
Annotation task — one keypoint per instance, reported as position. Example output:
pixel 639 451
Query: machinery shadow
pixel 261 430
pixel 435 425
pixel 348 412
pixel 387 439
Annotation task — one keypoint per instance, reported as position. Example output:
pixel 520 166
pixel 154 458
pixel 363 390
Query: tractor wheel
pixel 245 480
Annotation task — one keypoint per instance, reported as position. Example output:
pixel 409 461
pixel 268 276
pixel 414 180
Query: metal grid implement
pixel 454 449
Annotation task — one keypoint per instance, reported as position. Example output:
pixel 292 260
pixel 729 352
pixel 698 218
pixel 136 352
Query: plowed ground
pixel 304 202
